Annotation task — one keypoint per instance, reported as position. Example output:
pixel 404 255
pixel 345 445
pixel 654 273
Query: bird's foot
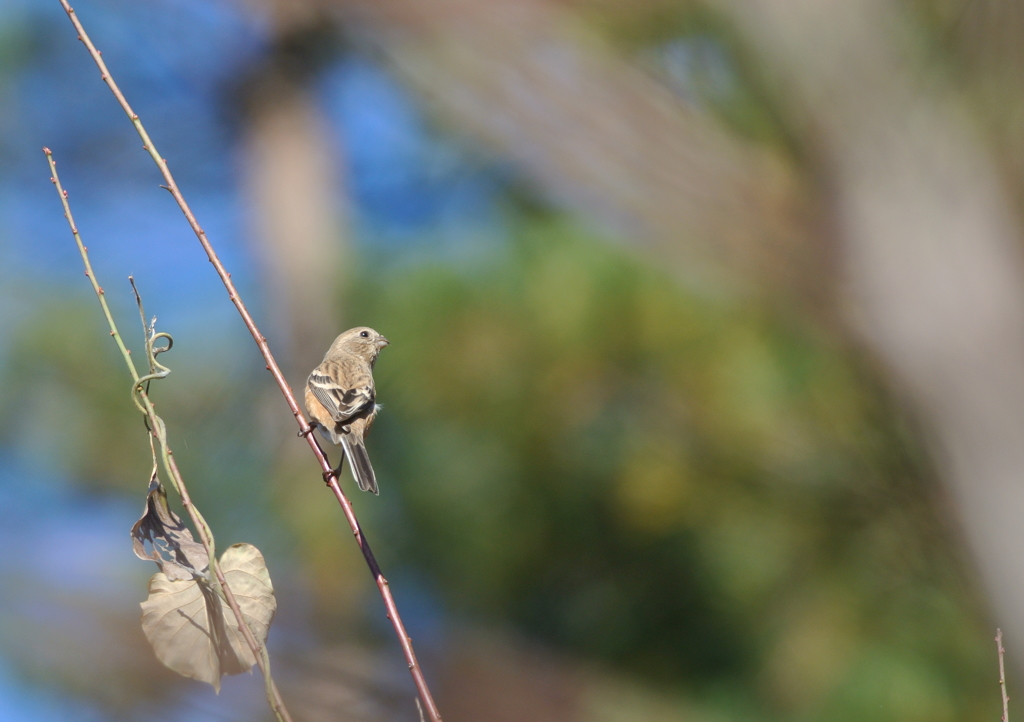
pixel 336 473
pixel 310 430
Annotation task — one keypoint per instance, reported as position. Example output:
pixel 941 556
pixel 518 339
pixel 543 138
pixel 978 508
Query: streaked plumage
pixel 341 399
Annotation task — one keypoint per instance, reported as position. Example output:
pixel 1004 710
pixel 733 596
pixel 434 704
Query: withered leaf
pixel 170 542
pixel 194 632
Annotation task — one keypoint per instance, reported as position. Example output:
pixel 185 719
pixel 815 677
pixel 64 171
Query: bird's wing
pixel 341 403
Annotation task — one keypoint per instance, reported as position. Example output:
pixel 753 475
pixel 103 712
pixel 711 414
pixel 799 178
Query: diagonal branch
pixel 304 428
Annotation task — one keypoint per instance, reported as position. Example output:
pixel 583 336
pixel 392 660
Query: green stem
pixel 159 430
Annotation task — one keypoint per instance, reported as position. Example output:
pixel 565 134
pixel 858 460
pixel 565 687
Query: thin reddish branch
pixel 382 584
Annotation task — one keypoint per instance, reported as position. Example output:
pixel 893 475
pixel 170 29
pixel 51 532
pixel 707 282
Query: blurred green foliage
pixel 703 493
pixel 713 496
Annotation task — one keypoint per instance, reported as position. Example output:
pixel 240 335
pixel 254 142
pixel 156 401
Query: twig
pixel 382 584
pixel 158 430
pixel 1002 675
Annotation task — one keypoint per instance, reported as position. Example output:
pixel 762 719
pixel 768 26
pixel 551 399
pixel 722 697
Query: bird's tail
pixel 359 461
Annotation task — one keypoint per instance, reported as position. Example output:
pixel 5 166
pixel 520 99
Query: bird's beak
pixel 382 342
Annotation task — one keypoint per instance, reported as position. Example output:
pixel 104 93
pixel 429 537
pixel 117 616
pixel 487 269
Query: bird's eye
pixel 364 334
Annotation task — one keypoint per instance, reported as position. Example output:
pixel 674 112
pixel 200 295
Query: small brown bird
pixel 341 399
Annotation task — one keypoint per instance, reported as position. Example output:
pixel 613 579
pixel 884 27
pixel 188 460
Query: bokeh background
pixel 705 398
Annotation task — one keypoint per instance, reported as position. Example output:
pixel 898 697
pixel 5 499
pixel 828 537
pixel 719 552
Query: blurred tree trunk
pixel 931 250
pixel 297 207
pixel 295 197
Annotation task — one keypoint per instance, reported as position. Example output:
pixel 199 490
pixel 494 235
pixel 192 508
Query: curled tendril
pixel 160 349
pixel 144 382
pixel 156 369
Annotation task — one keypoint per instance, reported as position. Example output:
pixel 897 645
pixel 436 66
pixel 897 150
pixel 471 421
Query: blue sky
pixel 410 184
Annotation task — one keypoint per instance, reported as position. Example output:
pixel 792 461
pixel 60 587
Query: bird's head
pixel 360 341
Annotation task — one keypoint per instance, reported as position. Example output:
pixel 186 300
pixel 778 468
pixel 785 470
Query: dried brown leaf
pixel 192 629
pixel 170 543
